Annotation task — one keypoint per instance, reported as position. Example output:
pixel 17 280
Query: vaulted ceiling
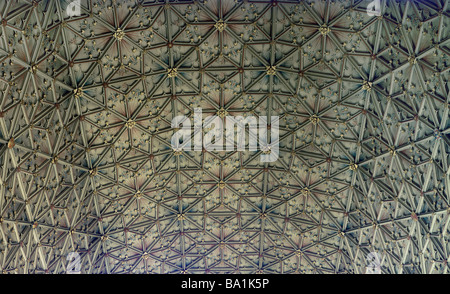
pixel 86 164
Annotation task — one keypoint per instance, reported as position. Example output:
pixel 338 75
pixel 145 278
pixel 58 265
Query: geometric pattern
pixel 86 164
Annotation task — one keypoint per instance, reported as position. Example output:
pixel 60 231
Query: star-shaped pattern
pixel 86 163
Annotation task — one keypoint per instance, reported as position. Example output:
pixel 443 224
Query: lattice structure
pixel 86 163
